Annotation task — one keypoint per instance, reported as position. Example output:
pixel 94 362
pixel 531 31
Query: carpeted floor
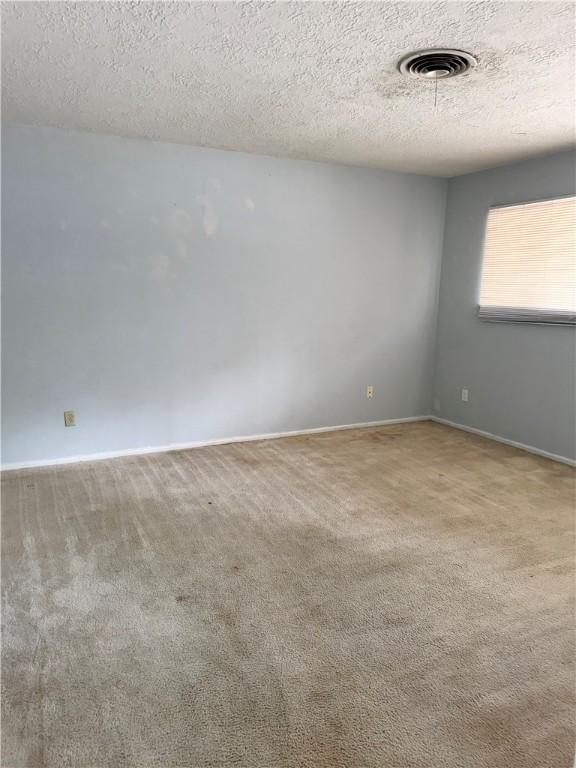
pixel 398 597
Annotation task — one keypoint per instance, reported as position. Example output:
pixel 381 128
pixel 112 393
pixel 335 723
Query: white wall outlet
pixel 369 392
pixel 69 419
pixel 464 395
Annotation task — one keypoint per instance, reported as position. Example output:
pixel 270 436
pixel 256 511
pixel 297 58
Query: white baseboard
pixel 275 435
pixel 201 444
pixel 505 440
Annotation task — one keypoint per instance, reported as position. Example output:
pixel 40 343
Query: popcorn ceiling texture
pixel 308 80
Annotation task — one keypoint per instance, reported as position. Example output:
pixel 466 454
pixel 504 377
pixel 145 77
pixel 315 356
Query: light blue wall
pixel 171 294
pixel 521 377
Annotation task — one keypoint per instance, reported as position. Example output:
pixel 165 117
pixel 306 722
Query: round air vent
pixel 436 63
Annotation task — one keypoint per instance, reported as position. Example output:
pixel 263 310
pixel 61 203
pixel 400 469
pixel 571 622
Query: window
pixel 529 270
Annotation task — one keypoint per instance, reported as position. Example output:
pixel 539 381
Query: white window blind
pixel 529 270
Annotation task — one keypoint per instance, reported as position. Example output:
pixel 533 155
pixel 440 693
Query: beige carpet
pixel 390 598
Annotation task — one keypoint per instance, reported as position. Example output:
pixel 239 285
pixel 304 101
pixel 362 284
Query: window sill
pixel 520 315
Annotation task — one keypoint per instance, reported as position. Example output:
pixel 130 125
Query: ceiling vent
pixel 436 63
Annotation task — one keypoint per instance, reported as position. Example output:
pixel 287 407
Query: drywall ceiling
pixel 299 79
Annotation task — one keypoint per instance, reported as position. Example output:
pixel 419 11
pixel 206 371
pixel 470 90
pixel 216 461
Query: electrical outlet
pixel 464 395
pixel 69 419
pixel 369 392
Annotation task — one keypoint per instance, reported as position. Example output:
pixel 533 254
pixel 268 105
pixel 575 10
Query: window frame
pixel 521 315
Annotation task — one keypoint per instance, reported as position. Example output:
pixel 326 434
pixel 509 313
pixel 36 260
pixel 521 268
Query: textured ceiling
pixel 300 79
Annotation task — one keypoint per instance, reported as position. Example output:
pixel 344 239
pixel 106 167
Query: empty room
pixel 288 384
